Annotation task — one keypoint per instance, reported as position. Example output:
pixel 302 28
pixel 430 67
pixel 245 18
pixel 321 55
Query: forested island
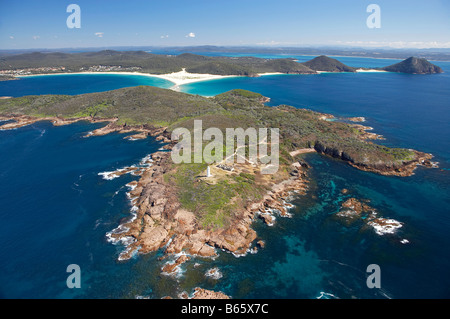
pixel 414 65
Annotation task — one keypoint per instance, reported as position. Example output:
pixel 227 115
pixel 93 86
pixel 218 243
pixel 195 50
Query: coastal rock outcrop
pixel 161 222
pixel 404 167
pixel 200 293
pixel 353 210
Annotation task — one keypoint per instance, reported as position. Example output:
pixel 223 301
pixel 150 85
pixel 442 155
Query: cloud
pixel 99 34
pixel 11 37
pixel 35 37
pixel 164 36
pixel 269 43
pixel 190 35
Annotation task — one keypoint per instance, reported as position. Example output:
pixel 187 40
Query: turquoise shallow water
pixel 56 209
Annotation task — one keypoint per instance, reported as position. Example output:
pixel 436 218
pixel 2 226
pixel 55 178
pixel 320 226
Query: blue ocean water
pixel 310 255
pixel 72 84
pixel 56 209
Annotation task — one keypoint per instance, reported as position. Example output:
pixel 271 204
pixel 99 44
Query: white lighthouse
pixel 208 172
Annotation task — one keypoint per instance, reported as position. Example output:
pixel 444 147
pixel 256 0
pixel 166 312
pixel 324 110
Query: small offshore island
pixel 175 207
pixel 186 67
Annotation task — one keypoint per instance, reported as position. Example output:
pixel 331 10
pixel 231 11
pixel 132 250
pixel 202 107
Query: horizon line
pixel 258 46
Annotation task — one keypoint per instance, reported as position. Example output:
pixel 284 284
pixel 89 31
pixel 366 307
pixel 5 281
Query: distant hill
pixel 289 66
pixel 414 65
pixel 144 62
pixel 327 64
pixel 193 57
pixel 141 61
pixel 435 54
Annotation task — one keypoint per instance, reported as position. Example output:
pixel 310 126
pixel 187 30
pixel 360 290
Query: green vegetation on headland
pixel 144 62
pixel 216 203
pixel 212 202
pixel 140 61
pixel 299 128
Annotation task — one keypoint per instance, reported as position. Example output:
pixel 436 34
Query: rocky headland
pixel 20 120
pixel 161 222
pixel 173 206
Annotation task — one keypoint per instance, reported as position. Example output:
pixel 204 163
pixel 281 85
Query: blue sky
pixel 29 24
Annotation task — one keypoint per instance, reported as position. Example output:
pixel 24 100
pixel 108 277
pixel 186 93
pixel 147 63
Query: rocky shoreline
pixel 159 219
pixel 141 131
pixel 406 169
pixel 159 222
pixel 25 120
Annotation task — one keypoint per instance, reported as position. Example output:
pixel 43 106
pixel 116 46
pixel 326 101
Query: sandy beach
pixel 177 78
pixel 371 71
pixel 182 77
